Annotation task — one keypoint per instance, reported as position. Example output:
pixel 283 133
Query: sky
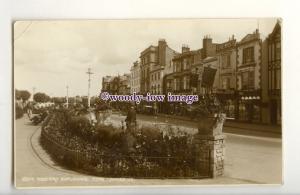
pixel 50 55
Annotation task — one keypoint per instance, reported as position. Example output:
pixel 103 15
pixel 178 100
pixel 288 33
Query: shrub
pixel 109 151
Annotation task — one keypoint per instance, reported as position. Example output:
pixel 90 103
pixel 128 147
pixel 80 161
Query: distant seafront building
pixel 107 84
pixel 124 86
pixel 135 78
pixel 116 84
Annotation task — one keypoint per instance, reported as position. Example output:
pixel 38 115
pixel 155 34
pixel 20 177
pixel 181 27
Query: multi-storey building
pixel 249 62
pixel 271 77
pixel 124 87
pixel 226 54
pixel 110 84
pixel 135 73
pixel 178 81
pixel 116 84
pixel 188 67
pixel 154 59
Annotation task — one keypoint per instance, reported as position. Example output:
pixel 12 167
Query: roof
pixel 108 78
pixel 188 53
pixel 250 37
pixel 277 29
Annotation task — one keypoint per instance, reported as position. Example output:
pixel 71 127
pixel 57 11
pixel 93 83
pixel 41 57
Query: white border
pixel 101 9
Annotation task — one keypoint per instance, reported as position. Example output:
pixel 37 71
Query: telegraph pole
pixel 89 72
pixel 67 96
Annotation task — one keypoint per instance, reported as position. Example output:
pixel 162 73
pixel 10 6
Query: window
pixel 226 61
pixel 270 53
pixel 248 55
pixel 187 82
pixel 226 83
pixel 168 84
pixel 178 68
pixel 278 79
pixel 248 80
pixel 278 51
pixel 175 84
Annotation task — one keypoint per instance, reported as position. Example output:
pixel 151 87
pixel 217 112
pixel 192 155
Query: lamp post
pixel 89 72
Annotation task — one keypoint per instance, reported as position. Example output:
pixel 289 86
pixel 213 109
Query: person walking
pixel 131 119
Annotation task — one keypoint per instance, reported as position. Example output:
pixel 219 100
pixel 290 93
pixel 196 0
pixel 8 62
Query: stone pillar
pixel 210 154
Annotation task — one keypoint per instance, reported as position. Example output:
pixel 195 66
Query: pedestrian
pixel 29 110
pixel 131 118
pixel 155 109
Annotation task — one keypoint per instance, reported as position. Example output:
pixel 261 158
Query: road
pixel 249 160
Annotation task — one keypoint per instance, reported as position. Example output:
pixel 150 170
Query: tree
pixel 22 94
pixel 41 97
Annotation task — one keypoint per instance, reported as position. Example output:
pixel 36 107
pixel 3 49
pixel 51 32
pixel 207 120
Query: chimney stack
pixel 185 48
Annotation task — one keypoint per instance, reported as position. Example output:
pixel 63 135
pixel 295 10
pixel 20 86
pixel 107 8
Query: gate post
pixel 210 154
pixel 210 145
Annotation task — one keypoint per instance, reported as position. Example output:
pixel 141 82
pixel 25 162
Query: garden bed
pixel 109 151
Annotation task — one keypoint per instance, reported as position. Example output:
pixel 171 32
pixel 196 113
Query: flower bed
pixel 109 151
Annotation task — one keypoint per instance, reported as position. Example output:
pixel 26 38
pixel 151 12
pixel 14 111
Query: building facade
pixel 178 81
pixel 249 63
pixel 124 86
pixel 135 78
pixel 110 84
pixel 227 53
pixel 272 76
pixel 154 59
pixel 188 67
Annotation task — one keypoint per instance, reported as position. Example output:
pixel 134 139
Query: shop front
pixel 249 106
pixel 228 100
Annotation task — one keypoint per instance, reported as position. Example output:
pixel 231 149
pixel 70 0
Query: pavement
pixel 232 126
pixel 249 160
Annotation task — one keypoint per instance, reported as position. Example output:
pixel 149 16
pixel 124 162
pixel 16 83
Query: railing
pixel 120 165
